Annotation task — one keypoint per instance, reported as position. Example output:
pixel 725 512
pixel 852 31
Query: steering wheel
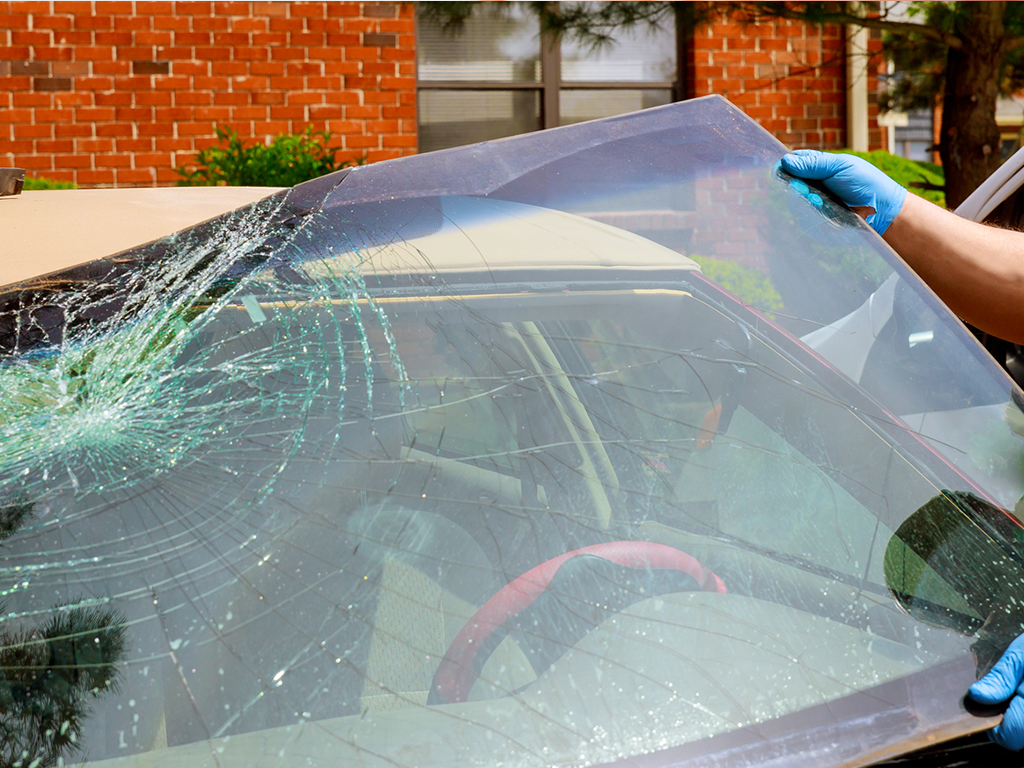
pixel 554 605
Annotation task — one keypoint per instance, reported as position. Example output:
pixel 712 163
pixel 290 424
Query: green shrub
pixel 746 283
pixel 289 159
pixel 41 183
pixel 908 173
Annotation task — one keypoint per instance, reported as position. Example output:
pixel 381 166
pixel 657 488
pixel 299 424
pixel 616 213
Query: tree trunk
pixel 969 144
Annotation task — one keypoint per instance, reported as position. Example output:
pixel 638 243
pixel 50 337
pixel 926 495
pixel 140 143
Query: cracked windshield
pixel 557 450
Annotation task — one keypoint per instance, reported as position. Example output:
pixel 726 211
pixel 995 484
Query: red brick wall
pixel 789 76
pixel 119 93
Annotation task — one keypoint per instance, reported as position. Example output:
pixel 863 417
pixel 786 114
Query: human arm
pixel 977 270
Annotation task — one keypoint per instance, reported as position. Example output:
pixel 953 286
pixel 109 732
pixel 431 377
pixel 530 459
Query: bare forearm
pixel 977 270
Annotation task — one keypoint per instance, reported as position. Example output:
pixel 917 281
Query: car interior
pixel 486 437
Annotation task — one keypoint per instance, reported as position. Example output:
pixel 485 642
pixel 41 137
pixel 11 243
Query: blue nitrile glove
pixel 1006 679
pixel 854 181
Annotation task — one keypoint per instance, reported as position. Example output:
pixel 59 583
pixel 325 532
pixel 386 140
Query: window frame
pixel 551 84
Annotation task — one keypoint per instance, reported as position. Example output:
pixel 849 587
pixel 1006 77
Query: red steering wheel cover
pixel 456 673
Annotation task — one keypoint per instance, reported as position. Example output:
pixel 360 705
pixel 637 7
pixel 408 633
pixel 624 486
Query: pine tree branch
pixel 1012 44
pixel 786 11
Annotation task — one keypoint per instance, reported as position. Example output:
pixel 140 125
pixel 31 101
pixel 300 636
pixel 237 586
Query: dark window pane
pixel 453 118
pixel 640 54
pixel 579 105
pixel 498 43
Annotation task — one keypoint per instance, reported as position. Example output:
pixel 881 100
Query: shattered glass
pixel 567 449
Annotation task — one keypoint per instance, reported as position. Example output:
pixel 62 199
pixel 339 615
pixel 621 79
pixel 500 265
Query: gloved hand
pixel 1006 679
pixel 854 181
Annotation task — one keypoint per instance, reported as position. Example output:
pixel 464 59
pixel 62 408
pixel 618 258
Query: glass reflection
pixel 52 671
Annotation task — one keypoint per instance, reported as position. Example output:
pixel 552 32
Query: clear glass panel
pixel 576 106
pixel 643 53
pixel 587 445
pixel 453 118
pixel 500 42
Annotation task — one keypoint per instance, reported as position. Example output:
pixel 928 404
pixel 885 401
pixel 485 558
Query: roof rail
pixel 12 181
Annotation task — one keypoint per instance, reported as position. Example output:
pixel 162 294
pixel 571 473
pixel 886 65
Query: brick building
pixel 789 76
pixel 119 93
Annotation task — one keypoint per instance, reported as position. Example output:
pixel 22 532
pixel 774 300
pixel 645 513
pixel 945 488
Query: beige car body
pixel 46 231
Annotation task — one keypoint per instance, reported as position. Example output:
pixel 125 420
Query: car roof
pixel 48 230
pixel 468 234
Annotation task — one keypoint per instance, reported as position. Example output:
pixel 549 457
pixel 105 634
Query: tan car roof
pixel 503 235
pixel 45 231
pixel 48 230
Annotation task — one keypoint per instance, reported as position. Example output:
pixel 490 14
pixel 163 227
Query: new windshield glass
pixel 603 442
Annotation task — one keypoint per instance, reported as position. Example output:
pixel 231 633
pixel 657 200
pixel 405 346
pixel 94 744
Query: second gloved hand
pixel 1001 683
pixel 854 181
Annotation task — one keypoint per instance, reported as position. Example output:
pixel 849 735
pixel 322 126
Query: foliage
pixel 921 59
pixel 13 514
pixel 49 672
pixel 917 44
pixel 919 62
pixel 924 179
pixel 592 25
pixel 47 676
pixel 450 16
pixel 746 283
pixel 288 160
pixel 967 41
pixel 40 182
